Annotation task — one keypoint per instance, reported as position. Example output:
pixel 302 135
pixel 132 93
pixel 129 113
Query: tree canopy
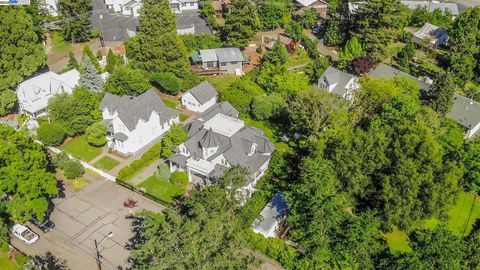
pixel 240 24
pixel 75 19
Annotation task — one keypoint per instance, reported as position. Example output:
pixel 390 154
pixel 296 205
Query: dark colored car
pixel 45 225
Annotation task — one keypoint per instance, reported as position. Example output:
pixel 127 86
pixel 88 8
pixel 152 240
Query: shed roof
pixel 465 111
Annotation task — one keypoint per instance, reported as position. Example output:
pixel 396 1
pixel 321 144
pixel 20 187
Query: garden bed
pixel 81 149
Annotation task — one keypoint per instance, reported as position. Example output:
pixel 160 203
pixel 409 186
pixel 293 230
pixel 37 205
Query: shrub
pixel 172 139
pixel 265 107
pixel 59 160
pixel 163 172
pixel 127 81
pixel 179 179
pixel 73 169
pixel 51 134
pixel 167 82
pixel 96 134
pixel 148 157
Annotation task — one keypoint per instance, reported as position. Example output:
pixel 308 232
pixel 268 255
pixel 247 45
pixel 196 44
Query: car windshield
pixel 27 235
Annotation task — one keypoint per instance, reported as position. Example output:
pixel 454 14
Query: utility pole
pixel 97 251
pixel 102 42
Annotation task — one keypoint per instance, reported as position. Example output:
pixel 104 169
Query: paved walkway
pixel 145 173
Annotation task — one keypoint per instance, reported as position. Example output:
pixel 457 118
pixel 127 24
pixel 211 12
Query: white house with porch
pixel 200 97
pixel 135 122
pixel 219 140
pixel 34 93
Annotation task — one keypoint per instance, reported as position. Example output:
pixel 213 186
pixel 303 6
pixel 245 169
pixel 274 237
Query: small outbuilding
pixel 272 217
pixel 200 98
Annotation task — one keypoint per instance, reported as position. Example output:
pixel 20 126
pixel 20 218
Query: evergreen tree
pixel 157 47
pixel 240 24
pixel 89 77
pixel 111 62
pixel 353 49
pixel 87 52
pixel 72 62
pixel 335 33
pixel 277 55
pixel 75 19
pixel 379 22
pixel 21 52
pixel 405 55
pixel 440 95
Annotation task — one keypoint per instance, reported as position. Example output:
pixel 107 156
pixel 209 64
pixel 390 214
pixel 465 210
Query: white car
pixel 25 234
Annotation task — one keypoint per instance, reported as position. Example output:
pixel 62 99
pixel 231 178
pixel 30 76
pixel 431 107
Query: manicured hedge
pixel 152 154
pixel 72 169
pixel 179 179
pixel 167 82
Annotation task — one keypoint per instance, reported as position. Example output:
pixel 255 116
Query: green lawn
pixel 79 148
pixel 461 218
pixel 171 103
pixel 222 82
pixel 106 163
pixel 300 57
pixel 17 264
pixel 59 46
pixel 161 189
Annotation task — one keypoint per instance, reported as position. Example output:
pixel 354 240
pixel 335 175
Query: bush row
pixel 127 172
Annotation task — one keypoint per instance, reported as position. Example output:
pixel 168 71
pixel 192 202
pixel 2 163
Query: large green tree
pixel 273 14
pixel 127 81
pixel 465 42
pixel 75 112
pixel 24 175
pixel 157 47
pixel 240 24
pixel 21 51
pixel 204 233
pixel 378 23
pixel 440 95
pixel 75 19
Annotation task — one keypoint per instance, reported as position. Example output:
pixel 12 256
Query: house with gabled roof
pixel 319 6
pixel 430 36
pixel 33 94
pixel 388 72
pixel 135 122
pixel 228 60
pixel 219 140
pixel 200 97
pixel 338 82
pixel 466 112
pixel 433 5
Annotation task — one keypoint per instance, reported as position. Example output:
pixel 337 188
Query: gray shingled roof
pixel 210 139
pixel 336 76
pixel 235 148
pixel 131 109
pixel 229 55
pixel 203 92
pixel 120 136
pixel 385 71
pixel 465 111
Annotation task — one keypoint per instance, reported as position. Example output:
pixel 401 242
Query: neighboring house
pixel 219 140
pixel 50 6
pixel 200 98
pixel 318 5
pixel 385 71
pixel 272 217
pixel 431 36
pixel 115 5
pixel 466 112
pixel 135 122
pixel 178 6
pixel 220 8
pixel 338 82
pixel 132 8
pixel 432 5
pixel 228 60
pixel 34 93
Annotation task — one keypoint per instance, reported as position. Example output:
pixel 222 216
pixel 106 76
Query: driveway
pixel 85 216
pixel 117 27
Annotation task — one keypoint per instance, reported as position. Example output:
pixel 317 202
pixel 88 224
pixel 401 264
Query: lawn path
pixel 145 173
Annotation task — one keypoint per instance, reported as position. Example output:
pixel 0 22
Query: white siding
pixel 473 131
pixel 192 104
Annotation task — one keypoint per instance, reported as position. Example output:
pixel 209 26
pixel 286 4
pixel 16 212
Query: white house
pixel 272 216
pixel 34 93
pixel 115 5
pixel 431 36
pixel 200 98
pixel 219 140
pixel 466 112
pixel 178 6
pixel 338 82
pixel 134 122
pixel 432 5
pixel 132 8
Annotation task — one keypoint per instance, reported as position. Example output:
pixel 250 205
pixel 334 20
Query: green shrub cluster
pixel 163 172
pixel 167 82
pixel 147 158
pixel 72 169
pixel 179 179
pixel 51 134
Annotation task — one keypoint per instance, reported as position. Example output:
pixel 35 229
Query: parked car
pixel 25 234
pixel 46 225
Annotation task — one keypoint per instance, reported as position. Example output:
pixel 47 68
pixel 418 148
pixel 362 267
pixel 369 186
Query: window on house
pixel 192 4
pixel 184 4
pixel 234 62
pixel 223 64
pixel 209 64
